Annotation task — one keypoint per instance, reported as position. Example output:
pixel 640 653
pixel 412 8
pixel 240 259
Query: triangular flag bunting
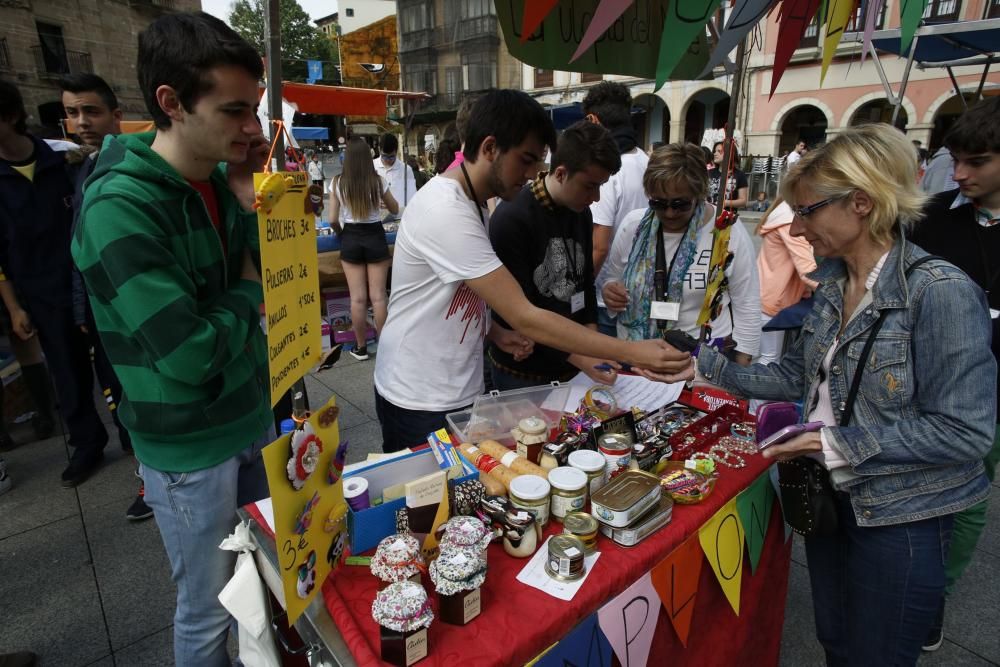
pixel 607 13
pixel 534 13
pixel 871 10
pixel 745 15
pixel 629 621
pixel 584 646
pixel 685 20
pixel 795 18
pixel 676 581
pixel 755 505
pixel 910 13
pixel 838 14
pixel 721 539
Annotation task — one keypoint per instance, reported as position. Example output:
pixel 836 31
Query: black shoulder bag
pixel 807 496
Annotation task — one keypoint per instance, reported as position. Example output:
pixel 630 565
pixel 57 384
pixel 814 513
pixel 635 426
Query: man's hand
pixel 667 363
pixel 249 271
pixel 807 443
pixel 21 324
pixel 615 296
pixel 512 342
pixel 240 175
pixel 587 366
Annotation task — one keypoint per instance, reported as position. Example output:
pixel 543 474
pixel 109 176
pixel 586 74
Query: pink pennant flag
pixel 535 12
pixel 607 13
pixel 629 621
pixel 871 12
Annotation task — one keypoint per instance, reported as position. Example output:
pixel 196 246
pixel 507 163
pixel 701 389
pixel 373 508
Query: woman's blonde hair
pixel 876 159
pixel 684 163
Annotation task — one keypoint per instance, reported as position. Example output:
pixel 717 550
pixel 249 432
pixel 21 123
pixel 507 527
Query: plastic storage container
pixel 493 416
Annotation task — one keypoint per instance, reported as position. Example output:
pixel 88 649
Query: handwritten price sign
pixel 291 284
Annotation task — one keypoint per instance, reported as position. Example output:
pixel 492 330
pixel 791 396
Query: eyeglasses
pixel 804 211
pixel 679 205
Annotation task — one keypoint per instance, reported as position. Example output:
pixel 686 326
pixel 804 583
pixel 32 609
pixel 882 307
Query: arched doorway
pixel 651 120
pixel 708 109
pixel 879 111
pixel 803 123
pixel 945 117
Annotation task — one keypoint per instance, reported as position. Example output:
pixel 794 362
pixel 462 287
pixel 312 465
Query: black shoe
pixel 936 636
pixel 19 659
pixel 43 425
pixel 80 468
pixel 360 353
pixel 138 510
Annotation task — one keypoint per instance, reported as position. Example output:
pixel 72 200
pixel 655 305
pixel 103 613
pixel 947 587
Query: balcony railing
pixel 416 40
pixel 481 26
pixel 53 65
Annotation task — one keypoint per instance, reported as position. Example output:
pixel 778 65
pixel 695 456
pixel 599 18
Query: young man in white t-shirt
pixel 446 278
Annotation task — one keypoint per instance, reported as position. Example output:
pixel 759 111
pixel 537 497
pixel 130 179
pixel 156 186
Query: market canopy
pixel 311 133
pixel 341 100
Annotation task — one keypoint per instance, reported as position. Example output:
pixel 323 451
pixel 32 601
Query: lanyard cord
pixel 472 192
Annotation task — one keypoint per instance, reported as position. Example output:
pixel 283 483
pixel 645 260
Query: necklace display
pixel 731 450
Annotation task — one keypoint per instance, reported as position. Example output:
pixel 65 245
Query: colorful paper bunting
pixel 721 539
pixel 795 18
pixel 676 581
pixel 607 13
pixel 838 15
pixel 534 13
pixel 871 10
pixel 755 505
pixel 685 20
pixel 910 13
pixel 629 621
pixel 584 646
pixel 745 15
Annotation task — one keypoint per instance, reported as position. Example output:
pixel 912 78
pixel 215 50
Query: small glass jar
pixel 569 491
pixel 530 435
pixel 531 493
pixel 593 465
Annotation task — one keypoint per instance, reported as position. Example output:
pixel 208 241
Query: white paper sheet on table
pixel 630 390
pixel 266 510
pixel 533 574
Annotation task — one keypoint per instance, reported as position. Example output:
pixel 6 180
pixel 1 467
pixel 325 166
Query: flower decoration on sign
pixel 725 219
pixel 306 448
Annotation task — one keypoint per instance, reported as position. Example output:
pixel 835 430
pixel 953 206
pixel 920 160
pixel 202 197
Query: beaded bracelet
pixel 743 430
pixel 722 455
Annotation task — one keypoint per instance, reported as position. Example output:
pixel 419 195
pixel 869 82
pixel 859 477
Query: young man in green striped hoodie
pixel 167 253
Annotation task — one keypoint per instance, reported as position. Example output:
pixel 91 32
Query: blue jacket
pixel 925 413
pixel 36 219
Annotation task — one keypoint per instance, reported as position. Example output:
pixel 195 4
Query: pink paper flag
pixel 871 12
pixel 607 13
pixel 535 12
pixel 629 622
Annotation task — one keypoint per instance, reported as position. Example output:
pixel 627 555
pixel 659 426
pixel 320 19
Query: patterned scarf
pixel 638 276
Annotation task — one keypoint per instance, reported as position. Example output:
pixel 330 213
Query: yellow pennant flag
pixel 722 541
pixel 838 13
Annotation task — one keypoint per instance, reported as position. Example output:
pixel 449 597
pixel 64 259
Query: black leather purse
pixel 807 496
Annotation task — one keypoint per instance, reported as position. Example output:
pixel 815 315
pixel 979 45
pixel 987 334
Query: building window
pixel 940 11
pixel 857 21
pixel 415 17
pixel 421 78
pixel 349 12
pixel 588 77
pixel 53 48
pixel 543 78
pixel 4 54
pixel 810 39
pixel 993 11
pixel 470 9
pixel 452 85
pixel 480 70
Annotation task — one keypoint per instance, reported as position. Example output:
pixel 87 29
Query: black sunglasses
pixel 679 205
pixel 804 211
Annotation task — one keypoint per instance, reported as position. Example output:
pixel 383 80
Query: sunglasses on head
pixel 679 205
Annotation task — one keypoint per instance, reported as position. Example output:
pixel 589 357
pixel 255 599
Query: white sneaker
pixel 359 353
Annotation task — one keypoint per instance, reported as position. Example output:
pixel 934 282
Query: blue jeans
pixel 876 590
pixel 195 511
pixel 606 324
pixel 402 428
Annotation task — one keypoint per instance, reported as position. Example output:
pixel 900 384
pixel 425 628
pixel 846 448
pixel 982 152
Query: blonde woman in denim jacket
pixel 923 420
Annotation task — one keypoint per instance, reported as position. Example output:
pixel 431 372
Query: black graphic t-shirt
pixel 549 251
pixel 735 181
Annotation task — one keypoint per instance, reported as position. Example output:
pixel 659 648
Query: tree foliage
pixel 300 39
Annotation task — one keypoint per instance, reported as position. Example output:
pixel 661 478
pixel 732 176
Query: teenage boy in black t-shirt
pixel 736 185
pixel 544 238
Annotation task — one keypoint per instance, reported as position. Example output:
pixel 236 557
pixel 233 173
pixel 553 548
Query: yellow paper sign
pixel 722 541
pixel 310 514
pixel 720 252
pixel 289 276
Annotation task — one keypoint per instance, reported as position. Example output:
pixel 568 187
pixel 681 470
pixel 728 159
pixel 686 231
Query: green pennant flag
pixel 754 506
pixel 910 13
pixel 685 21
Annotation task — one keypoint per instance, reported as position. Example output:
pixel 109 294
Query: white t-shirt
pixel 743 292
pixel 400 179
pixel 622 194
pixel 346 217
pixel 792 158
pixel 430 354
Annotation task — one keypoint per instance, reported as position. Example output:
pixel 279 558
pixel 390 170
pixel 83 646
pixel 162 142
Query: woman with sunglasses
pixel 659 264
pixel 894 361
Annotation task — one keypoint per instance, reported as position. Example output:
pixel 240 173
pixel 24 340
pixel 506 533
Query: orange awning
pixel 342 101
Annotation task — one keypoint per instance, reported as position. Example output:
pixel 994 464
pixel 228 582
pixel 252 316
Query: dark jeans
pixel 402 428
pixel 876 590
pixel 111 388
pixel 68 357
pixel 503 381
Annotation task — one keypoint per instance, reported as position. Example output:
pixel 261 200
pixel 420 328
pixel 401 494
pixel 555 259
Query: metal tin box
pixel 645 526
pixel 625 498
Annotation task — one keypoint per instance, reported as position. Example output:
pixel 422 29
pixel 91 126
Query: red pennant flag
pixel 676 582
pixel 535 12
pixel 795 18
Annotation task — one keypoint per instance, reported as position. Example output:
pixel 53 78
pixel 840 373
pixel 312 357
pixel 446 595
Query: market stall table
pixel 519 622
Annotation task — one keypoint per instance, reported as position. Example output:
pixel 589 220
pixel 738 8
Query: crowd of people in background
pixel 529 256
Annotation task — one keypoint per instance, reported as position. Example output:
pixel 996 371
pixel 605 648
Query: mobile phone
pixel 680 340
pixel 788 433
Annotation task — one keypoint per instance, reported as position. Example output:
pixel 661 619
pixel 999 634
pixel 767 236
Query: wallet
pixel 772 417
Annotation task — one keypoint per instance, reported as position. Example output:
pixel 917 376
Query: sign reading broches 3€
pixel 290 277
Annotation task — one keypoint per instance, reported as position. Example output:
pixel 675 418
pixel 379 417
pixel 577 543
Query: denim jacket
pixel 924 417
